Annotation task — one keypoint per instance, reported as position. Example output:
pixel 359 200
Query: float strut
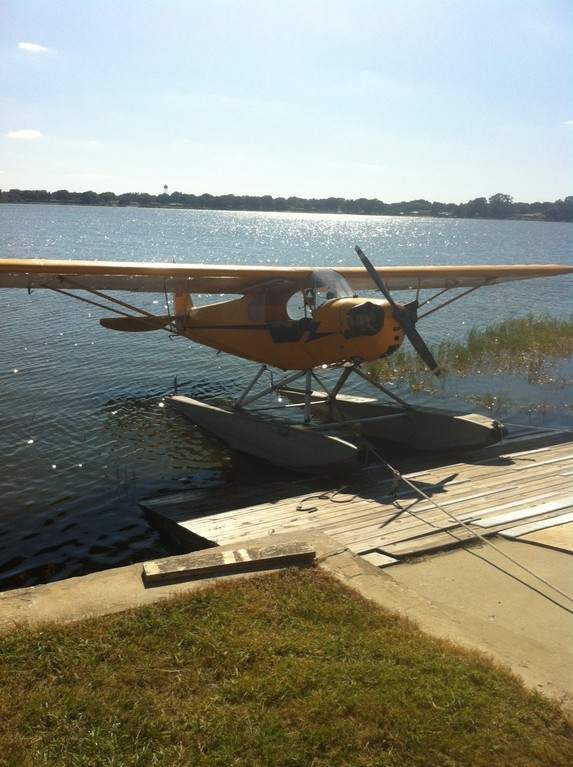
pixel 382 388
pixel 258 374
pixel 307 396
pixel 268 390
pixel 337 387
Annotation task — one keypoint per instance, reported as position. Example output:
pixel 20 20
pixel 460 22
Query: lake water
pixel 84 433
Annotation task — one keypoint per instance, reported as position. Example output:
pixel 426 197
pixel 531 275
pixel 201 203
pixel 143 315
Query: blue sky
pixel 442 99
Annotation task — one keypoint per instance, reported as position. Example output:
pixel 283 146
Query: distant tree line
pixel 497 206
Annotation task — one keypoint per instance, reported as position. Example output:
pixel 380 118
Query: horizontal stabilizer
pixel 135 324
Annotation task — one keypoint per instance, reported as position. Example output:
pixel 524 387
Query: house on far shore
pixel 530 216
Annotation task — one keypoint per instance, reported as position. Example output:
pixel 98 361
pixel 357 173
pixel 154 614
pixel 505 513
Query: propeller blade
pixel 135 324
pixel 375 277
pixel 417 341
pixel 405 315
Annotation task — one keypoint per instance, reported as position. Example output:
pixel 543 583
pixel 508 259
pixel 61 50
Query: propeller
pixel 406 316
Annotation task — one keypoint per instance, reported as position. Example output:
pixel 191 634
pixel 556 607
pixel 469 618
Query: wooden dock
pixel 526 482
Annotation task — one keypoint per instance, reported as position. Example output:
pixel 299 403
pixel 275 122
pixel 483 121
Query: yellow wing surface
pixel 147 277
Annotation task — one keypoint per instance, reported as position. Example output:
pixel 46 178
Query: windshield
pixel 329 284
pixel 323 285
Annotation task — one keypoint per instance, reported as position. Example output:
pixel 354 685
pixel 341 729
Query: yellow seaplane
pixel 337 329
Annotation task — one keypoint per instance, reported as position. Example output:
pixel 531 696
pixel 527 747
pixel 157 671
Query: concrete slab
pixel 560 538
pixel 479 599
pixel 115 590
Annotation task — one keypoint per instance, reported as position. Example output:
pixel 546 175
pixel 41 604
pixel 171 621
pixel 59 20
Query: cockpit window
pixel 329 284
pixel 323 285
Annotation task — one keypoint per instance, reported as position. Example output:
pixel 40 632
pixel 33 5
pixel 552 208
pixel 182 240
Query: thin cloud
pixel 34 48
pixel 26 134
pixel 89 175
pixel 568 123
pixel 76 142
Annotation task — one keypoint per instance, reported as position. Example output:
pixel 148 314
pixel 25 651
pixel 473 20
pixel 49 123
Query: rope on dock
pixel 473 533
pixel 398 477
pixel 329 496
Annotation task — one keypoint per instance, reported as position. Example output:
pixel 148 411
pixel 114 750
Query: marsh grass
pixel 525 345
pixel 289 669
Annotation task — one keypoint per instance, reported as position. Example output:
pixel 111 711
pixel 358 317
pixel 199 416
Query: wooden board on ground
pixel 214 563
pixel 380 560
pixel 539 524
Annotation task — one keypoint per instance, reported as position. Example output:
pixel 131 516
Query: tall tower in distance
pixel 165 188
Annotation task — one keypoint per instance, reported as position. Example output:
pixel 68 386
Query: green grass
pixel 284 669
pixel 524 345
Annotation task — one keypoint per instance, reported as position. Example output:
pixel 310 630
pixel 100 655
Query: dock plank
pixel 377 494
pixel 380 560
pixel 419 539
pixel 378 512
pixel 557 504
pixel 339 521
pixel 183 505
pixel 526 478
pixel 472 503
pixel 539 524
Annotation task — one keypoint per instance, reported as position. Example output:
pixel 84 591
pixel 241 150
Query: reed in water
pixel 526 345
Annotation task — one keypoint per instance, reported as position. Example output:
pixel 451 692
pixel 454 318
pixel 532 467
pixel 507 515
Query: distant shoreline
pixel 539 219
pixel 497 207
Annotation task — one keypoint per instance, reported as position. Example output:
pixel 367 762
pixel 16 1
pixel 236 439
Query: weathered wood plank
pixel 286 510
pixel 407 525
pixel 491 469
pixel 448 499
pixel 519 478
pixel 380 560
pixel 216 562
pixel 464 507
pixel 563 502
pixel 538 524
pixel 434 542
pixel 362 520
pixel 423 545
pixel 386 543
pixel 278 494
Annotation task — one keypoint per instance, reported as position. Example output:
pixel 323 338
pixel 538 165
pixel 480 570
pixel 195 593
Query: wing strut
pixel 450 300
pixel 150 320
pixel 436 295
pixel 113 299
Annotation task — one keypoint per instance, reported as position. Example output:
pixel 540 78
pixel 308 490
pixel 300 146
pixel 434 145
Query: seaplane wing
pixel 149 277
